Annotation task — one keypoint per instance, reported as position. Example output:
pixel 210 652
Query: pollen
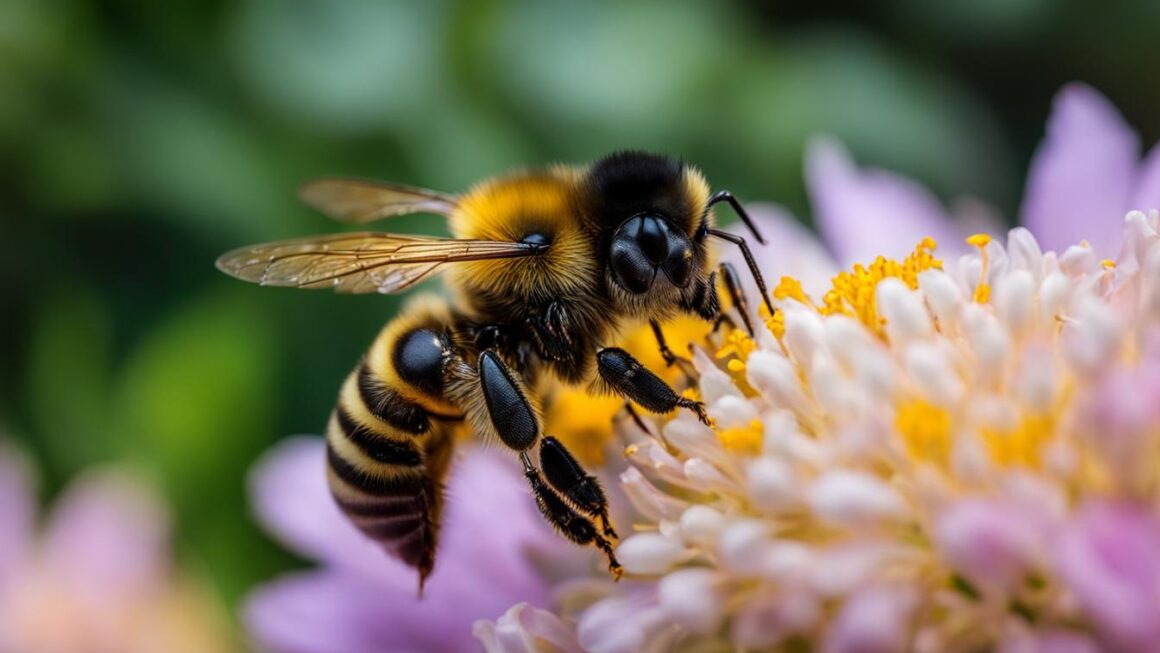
pixel 1108 264
pixel 583 422
pixel 853 293
pixel 979 240
pixel 1023 445
pixel 747 440
pixel 926 431
pixel 791 288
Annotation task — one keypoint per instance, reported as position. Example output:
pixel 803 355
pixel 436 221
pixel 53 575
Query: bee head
pixel 646 245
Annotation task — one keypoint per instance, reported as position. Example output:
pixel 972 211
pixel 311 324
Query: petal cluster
pixel 936 455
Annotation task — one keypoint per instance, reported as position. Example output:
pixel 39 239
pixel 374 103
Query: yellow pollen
pixel 853 293
pixel 743 439
pixel 926 431
pixel 1108 264
pixel 791 288
pixel 983 289
pixel 583 422
pixel 979 240
pixel 1022 445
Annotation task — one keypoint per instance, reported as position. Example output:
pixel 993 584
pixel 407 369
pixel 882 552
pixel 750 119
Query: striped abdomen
pixel 390 438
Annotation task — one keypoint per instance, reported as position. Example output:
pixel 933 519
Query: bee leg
pixel 723 319
pixel 564 473
pixel 628 377
pixel 750 262
pixel 565 520
pixel 636 419
pixel 733 287
pixel 670 358
pixel 507 406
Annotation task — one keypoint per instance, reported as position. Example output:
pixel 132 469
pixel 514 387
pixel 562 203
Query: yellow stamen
pixel 1108 264
pixel 1022 445
pixel 583 422
pixel 983 289
pixel 853 293
pixel 743 439
pixel 926 431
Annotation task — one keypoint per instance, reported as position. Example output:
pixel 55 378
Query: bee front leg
pixel 626 376
pixel 553 331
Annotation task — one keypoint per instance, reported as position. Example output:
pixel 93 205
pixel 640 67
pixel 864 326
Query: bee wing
pixel 358 202
pixel 367 262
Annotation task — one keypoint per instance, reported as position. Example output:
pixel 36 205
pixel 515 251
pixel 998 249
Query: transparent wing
pixel 358 202
pixel 365 262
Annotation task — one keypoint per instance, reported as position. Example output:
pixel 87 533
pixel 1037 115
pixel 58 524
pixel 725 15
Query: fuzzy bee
pixel 547 267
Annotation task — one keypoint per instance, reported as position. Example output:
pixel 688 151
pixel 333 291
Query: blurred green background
pixel 138 140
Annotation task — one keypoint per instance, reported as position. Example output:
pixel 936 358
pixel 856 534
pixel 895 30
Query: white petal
pixel 647 499
pixel 853 498
pixel 701 525
pixel 742 546
pixel 772 484
pixel 690 598
pixel 906 317
pixel 774 377
pixel 1015 300
pixel 649 553
pixel 1054 293
pixel 933 373
pixel 804 333
pixel 942 295
pixel 1024 251
pixel 989 341
pixel 731 412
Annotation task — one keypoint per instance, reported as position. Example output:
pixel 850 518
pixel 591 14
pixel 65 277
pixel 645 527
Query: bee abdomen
pixel 378 446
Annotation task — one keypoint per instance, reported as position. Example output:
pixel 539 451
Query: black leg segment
pixel 510 412
pixel 749 261
pixel 628 377
pixel 567 477
pixel 567 521
pixel 733 286
pixel 727 197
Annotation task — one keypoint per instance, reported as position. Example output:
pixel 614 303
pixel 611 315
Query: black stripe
pixel 387 505
pixel 395 485
pixel 391 407
pixel 394 528
pixel 377 446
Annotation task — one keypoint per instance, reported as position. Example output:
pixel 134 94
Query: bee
pixel 545 270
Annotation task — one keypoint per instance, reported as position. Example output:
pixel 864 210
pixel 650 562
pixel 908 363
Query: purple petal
pixel 864 213
pixel 789 250
pixel 292 500
pixel 1110 558
pixel 289 493
pixel 1081 177
pixel 1146 194
pixel 108 533
pixel 990 542
pixel 524 629
pixel 331 612
pixel 17 513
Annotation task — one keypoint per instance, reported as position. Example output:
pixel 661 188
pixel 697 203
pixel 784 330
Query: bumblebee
pixel 545 269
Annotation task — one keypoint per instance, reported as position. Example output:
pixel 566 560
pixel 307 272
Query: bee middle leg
pixel 625 375
pixel 667 354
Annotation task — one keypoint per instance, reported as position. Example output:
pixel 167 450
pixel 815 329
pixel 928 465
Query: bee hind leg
pixel 566 520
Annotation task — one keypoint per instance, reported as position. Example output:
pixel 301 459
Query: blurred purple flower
pixel 363 601
pixel 98 577
pixel 1110 558
pixel 1085 176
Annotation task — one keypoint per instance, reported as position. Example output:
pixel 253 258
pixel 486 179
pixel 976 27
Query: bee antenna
pixel 726 196
pixel 749 261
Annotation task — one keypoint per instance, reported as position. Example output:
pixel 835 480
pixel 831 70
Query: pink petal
pixel 292 500
pixel 789 250
pixel 17 512
pixel 1081 177
pixel 108 533
pixel 990 542
pixel 1110 558
pixel 1146 194
pixel 524 629
pixel 874 620
pixel 328 612
pixel 864 213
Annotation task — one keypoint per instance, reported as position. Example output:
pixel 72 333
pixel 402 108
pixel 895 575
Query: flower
pixel 361 600
pixel 98 576
pixel 923 458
